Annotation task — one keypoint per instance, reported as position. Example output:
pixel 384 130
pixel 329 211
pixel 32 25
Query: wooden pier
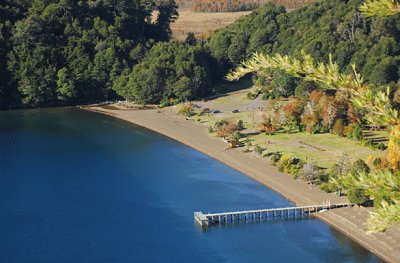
pixel 206 220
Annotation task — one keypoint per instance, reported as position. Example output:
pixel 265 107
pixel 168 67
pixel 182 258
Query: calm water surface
pixel 80 187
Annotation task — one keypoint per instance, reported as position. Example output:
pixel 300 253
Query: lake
pixel 77 186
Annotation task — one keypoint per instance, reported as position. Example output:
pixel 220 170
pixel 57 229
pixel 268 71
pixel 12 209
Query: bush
pixel 310 128
pixel 252 96
pixel 341 167
pixel 328 187
pixel 357 196
pixel 275 157
pixel 258 150
pixel 377 162
pixel 210 129
pixel 305 88
pixel 290 165
pixel 240 125
pixel 237 136
pixel 354 131
pixel 220 123
pixel 359 166
pixel 338 128
pixel 318 128
pixel 381 146
pixel 165 103
pixel 310 172
pixel 186 109
pixel 367 142
pixel 227 130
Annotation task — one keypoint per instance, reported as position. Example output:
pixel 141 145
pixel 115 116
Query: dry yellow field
pixel 201 24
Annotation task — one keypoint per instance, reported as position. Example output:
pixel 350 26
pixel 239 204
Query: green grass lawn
pixel 324 149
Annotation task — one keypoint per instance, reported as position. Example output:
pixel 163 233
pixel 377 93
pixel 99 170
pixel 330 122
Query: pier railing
pixel 205 220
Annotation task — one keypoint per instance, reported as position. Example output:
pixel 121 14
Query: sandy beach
pixel 349 221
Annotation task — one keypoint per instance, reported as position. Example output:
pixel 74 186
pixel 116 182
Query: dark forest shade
pixel 68 51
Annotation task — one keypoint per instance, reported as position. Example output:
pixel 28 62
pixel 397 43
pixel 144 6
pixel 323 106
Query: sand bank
pixel 349 221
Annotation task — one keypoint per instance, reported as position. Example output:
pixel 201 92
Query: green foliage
pixel 338 128
pixel 380 8
pixel 240 125
pixel 275 157
pixel 289 164
pixel 170 70
pixel 357 196
pixel 220 123
pixel 186 109
pixel 385 216
pixel 326 27
pixel 258 149
pixel 359 166
pixel 66 52
pixel 304 88
pixel 356 133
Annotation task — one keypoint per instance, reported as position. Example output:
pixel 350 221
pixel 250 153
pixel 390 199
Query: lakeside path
pixel 349 221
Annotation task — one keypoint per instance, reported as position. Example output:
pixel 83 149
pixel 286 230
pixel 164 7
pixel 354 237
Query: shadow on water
pixel 251 223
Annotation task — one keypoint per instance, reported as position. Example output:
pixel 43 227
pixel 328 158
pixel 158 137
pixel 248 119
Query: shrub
pixel 341 167
pixel 252 96
pixel 237 136
pixel 355 132
pixel 305 88
pixel 240 125
pixel 377 162
pixel 367 142
pixel 220 123
pixel 381 146
pixel 328 187
pixel 186 109
pixel 210 129
pixel 259 150
pixel 290 165
pixel 359 166
pixel 310 128
pixel 357 196
pixel 165 103
pixel 227 130
pixel 318 128
pixel 275 157
pixel 338 128
pixel 310 172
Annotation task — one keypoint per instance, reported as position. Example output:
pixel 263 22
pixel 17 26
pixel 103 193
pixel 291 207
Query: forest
pixel 63 52
pixel 236 5
pixel 243 5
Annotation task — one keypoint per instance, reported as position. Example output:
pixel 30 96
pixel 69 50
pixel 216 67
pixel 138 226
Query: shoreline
pixel 348 221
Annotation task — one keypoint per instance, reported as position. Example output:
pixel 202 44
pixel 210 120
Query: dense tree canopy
pixel 169 70
pixel 68 51
pixel 323 28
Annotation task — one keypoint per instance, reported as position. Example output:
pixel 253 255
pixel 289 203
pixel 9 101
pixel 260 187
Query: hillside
pixel 326 27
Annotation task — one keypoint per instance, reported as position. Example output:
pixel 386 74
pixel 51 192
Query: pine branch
pixel 380 8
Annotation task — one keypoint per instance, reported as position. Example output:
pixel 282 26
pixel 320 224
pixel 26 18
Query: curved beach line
pixel 349 221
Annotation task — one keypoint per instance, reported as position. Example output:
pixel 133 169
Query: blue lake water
pixel 76 186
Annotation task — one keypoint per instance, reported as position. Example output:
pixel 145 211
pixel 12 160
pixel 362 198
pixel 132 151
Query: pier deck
pixel 206 220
